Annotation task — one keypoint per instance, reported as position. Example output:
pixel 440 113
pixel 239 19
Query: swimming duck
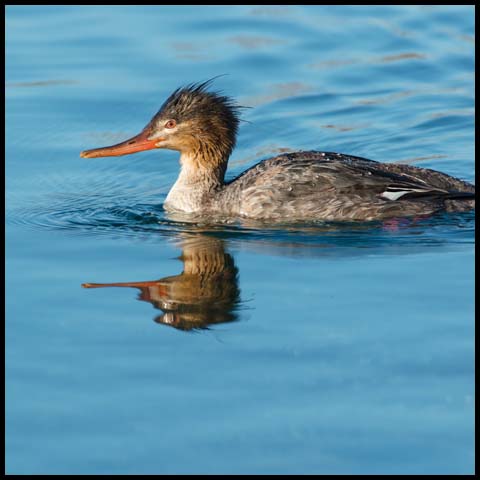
pixel 307 185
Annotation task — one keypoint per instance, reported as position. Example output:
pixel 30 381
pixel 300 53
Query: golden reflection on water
pixel 40 83
pixel 205 293
pixel 278 91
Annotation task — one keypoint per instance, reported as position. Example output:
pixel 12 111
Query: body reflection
pixel 205 293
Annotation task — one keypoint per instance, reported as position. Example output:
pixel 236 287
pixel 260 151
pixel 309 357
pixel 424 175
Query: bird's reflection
pixel 205 293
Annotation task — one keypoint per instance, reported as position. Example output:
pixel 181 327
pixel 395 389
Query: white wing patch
pixel 394 193
pixel 388 195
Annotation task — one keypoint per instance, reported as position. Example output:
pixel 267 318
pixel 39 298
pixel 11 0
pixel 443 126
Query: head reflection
pixel 205 293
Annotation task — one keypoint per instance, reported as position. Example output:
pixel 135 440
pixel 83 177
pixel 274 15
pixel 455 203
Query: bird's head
pixel 193 120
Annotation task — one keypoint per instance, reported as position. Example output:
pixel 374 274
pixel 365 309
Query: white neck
pixel 193 185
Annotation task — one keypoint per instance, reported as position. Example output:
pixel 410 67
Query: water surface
pixel 235 347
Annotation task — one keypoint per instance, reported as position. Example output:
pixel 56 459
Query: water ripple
pixel 117 209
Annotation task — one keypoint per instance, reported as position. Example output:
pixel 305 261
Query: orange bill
pixel 135 144
pixel 153 283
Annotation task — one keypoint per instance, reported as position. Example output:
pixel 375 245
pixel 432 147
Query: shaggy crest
pixel 211 115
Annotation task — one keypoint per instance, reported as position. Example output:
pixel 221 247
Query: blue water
pixel 313 348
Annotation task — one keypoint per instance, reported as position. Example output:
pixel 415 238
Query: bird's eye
pixel 171 124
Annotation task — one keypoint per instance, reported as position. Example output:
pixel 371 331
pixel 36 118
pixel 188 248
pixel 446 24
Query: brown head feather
pixel 212 120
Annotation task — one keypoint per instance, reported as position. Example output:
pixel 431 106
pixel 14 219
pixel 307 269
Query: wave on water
pixel 119 209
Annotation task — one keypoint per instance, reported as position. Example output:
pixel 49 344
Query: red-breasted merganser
pixel 202 125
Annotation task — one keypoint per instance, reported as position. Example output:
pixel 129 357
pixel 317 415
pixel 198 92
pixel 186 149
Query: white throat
pixel 193 187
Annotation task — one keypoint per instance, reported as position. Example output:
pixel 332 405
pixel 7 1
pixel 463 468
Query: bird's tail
pixel 461 195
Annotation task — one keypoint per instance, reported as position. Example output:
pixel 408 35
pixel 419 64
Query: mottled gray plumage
pixel 333 186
